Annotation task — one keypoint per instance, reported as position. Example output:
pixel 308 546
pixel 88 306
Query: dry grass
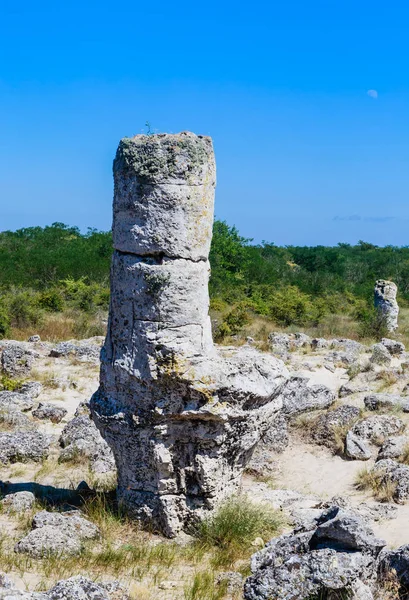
pixel 388 587
pixel 381 486
pixel 387 379
pixel 205 587
pixel 66 325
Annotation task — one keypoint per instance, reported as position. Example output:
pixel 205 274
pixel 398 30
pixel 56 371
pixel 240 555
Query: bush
pixel 290 306
pixel 4 322
pixel 51 300
pixel 24 310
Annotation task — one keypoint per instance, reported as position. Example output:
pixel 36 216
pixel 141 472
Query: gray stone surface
pixel 381 400
pixel 46 410
pixel 18 502
pixel 81 438
pixel 75 588
pixel 380 355
pixel 329 425
pixel 85 350
pixel 15 401
pixel 397 474
pixel 23 446
pixel 378 427
pixel 57 533
pixel 334 557
pixel 31 388
pixel 393 447
pixel 398 561
pixel 181 415
pixel 298 396
pixel 17 358
pixel 393 346
pixel 356 448
pixel 385 302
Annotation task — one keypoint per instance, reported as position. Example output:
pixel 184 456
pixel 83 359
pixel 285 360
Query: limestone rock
pixel 31 388
pixel 380 355
pixel 356 448
pixel 46 410
pixel 378 427
pixel 397 474
pixel 57 533
pixel 330 424
pixel 319 344
pixel 352 387
pixel 18 502
pixel 381 400
pixel 17 358
pixel 33 339
pixel 394 347
pixel 83 351
pixel 398 561
pixel 385 302
pixel 15 401
pixel 75 588
pixel 182 416
pixel 334 557
pixel 393 447
pixel 80 437
pixel 23 446
pixel 298 396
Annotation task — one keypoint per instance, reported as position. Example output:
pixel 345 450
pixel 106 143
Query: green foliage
pixel 4 322
pixel 9 384
pixel 23 308
pixel 291 306
pixel 51 300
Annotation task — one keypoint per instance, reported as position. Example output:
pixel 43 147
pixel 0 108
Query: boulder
pixel 34 339
pixel 17 359
pixel 393 447
pixel 46 410
pixel 298 396
pixel 75 588
pixel 15 401
pixel 57 533
pixel 83 351
pixel 23 446
pixel 394 347
pixel 380 355
pixel 31 388
pixel 381 400
pixel 81 438
pixel 396 474
pixel 337 556
pixel 397 561
pixel 352 387
pixel 319 344
pixel 330 424
pixel 356 448
pixel 18 502
pixel 378 427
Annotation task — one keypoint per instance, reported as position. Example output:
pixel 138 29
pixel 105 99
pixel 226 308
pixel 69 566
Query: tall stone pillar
pixel 181 415
pixel 386 304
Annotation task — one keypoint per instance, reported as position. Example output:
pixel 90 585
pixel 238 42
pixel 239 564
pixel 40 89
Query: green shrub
pixel 51 300
pixel 4 322
pixel 24 310
pixel 290 306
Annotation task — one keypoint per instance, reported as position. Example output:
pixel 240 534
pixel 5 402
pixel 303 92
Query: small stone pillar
pixel 181 415
pixel 385 302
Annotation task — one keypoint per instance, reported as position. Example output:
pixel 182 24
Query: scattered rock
pixel 18 502
pixel 347 358
pixel 31 388
pixel 80 437
pixel 319 344
pixel 57 533
pixel 397 561
pixel 393 447
pixel 45 410
pixel 14 419
pixel 394 347
pixel 356 448
pixel 23 446
pixel 329 425
pixel 334 556
pixel 82 351
pixel 380 355
pixel 34 339
pixel 396 474
pixel 16 401
pixel 75 588
pixel 298 396
pixel 352 387
pixel 17 359
pixel 380 400
pixel 378 427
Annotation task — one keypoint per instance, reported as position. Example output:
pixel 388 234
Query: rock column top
pixel 164 195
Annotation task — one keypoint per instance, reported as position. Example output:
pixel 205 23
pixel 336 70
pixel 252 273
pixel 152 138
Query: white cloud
pixel 372 94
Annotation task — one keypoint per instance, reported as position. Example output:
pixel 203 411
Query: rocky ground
pixel 336 463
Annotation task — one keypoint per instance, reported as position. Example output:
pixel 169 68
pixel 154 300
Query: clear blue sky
pixel 304 154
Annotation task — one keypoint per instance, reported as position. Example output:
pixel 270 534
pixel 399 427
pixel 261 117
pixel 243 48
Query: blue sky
pixel 304 154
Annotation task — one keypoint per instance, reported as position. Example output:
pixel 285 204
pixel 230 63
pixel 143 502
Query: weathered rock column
pixel 181 416
pixel 385 302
